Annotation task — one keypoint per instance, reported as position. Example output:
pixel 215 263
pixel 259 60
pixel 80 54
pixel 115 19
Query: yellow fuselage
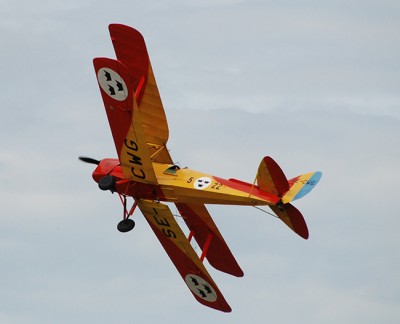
pixel 186 186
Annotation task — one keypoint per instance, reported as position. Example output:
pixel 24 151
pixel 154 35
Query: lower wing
pixel 182 255
pixel 204 230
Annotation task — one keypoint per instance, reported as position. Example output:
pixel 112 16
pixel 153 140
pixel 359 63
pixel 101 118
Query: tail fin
pixel 301 185
pixel 271 179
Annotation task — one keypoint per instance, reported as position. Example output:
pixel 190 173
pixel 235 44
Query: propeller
pixel 89 160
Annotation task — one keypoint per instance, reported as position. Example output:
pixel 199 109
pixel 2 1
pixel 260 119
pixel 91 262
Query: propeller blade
pixel 89 160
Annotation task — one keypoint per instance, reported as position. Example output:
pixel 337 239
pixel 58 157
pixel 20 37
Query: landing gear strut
pixel 126 224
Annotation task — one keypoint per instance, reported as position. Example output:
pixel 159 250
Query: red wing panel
pixel 117 93
pixel 182 255
pixel 201 224
pixel 130 49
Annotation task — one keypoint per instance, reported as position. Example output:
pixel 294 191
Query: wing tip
pixel 118 28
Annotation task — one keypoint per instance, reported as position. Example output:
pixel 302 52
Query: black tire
pixel 107 183
pixel 126 225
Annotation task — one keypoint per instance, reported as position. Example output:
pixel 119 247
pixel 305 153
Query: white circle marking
pixel 202 183
pixel 201 288
pixel 112 84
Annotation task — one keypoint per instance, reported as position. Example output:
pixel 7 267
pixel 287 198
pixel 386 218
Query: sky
pixel 314 84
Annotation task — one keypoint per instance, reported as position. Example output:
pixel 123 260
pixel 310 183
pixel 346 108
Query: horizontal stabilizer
pixel 270 177
pixel 292 217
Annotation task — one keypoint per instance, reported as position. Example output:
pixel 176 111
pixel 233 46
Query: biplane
pixel 145 171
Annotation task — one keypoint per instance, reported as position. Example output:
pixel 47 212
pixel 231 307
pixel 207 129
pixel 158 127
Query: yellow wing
pixel 130 48
pixel 133 105
pixel 182 255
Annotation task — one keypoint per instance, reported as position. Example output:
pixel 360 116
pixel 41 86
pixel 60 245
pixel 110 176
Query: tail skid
pixel 271 179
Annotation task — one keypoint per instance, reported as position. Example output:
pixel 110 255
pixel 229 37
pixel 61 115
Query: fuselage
pixel 185 186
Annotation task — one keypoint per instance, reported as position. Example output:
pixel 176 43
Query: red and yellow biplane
pixel 145 171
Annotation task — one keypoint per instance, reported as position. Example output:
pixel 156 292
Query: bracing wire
pixel 273 215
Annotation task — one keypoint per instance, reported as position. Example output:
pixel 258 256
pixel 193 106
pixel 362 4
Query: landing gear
pixel 107 183
pixel 126 225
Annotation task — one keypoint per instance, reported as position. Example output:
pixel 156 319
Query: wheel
pixel 126 225
pixel 107 183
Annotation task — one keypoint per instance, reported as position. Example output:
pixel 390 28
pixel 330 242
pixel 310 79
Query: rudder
pixel 301 186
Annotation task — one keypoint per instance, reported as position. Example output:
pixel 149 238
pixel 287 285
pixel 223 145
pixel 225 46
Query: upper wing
pixel 201 225
pixel 131 50
pixel 117 91
pixel 182 255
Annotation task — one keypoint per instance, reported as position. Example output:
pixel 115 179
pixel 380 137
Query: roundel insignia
pixel 112 84
pixel 201 288
pixel 202 183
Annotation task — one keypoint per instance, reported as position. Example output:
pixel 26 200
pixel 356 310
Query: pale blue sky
pixel 314 84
